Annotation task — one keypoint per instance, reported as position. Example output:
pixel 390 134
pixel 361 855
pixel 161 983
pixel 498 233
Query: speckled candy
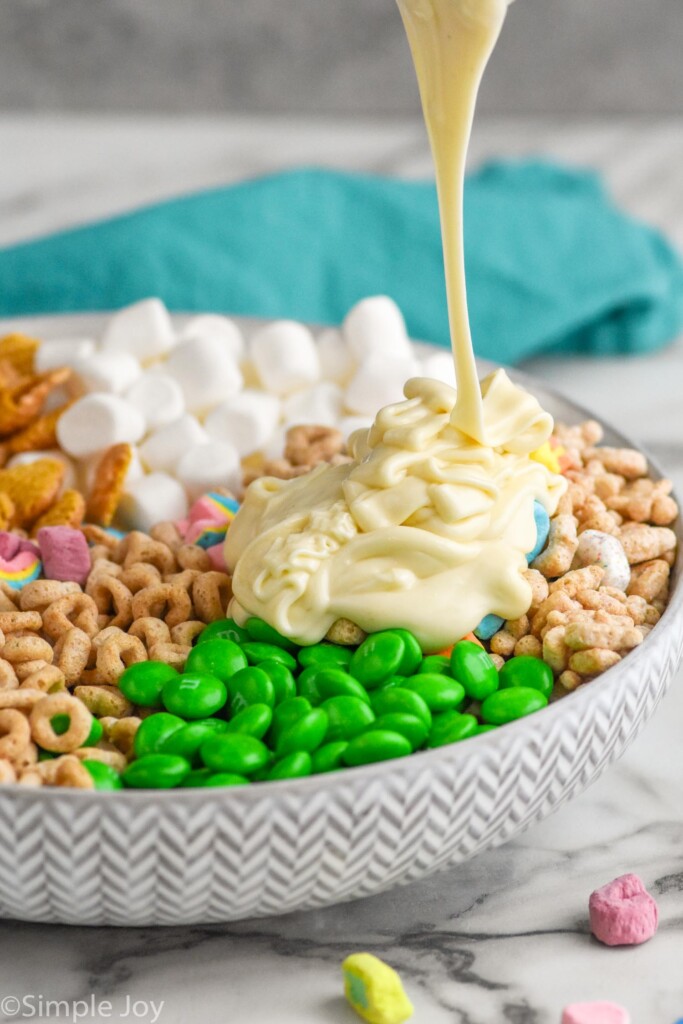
pixel 598 548
pixel 622 913
pixel 595 1013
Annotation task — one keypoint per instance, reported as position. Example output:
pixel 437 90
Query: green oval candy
pixel 60 723
pixel 436 663
pixel 221 658
pixel 186 742
pixel 450 727
pixel 484 728
pixel 296 765
pixel 511 703
pixel 256 651
pixel 156 771
pixel 413 728
pixel 412 655
pixel 440 693
pixel 194 695
pixel 223 629
pixel 327 655
pixel 280 676
pixel 329 757
pixel 143 682
pixel 103 775
pixel 377 658
pixel 153 731
pixel 324 683
pixel 287 713
pixel 225 779
pixel 196 778
pixel 472 666
pixel 400 699
pixel 250 686
pixel 235 753
pixel 306 733
pixel 527 671
pixel 263 632
pixel 254 720
pixel 348 716
pixel 376 745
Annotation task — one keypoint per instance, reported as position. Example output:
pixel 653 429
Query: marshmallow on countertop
pixel 154 498
pixel 143 329
pixel 376 325
pixel 106 371
pixel 220 327
pixel 285 357
pixel 321 404
pixel 206 371
pixel 166 446
pixel 440 366
pixel 62 352
pixel 215 464
pixel 96 422
pixel 245 421
pixel 158 397
pixel 378 382
pixel 336 361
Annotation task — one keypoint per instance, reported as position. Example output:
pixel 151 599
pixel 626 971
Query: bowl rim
pixel 578 700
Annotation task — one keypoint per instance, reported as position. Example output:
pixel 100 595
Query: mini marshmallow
pixel 285 357
pixel 214 464
pixel 206 371
pixel 321 404
pixel 143 330
pixel 622 913
pixel 24 458
pixel 162 449
pixel 154 498
pixel 275 445
pixel 158 397
pixel 336 361
pixel 62 352
pixel 350 424
pixel 245 421
pixel 376 325
pixel 378 382
pixel 107 371
pixel 440 366
pixel 220 327
pixel 96 422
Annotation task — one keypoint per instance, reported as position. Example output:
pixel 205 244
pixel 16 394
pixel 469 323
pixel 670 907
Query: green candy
pixel 472 666
pixel 95 734
pixel 324 655
pixel 257 652
pixel 436 663
pixel 223 629
pixel 399 699
pixel 484 728
pixel 235 753
pixel 412 655
pixel 103 775
pixel 194 695
pixel 143 682
pixel 440 693
pixel 450 727
pixel 512 703
pixel 153 732
pixel 60 724
pixel 376 745
pixel 296 765
pixel 224 779
pixel 262 632
pixel 250 686
pixel 253 721
pixel 348 717
pixel 281 678
pixel 319 683
pixel 187 742
pixel 156 771
pixel 414 729
pixel 527 671
pixel 378 657
pixel 287 713
pixel 329 757
pixel 221 658
pixel 307 733
pixel 196 778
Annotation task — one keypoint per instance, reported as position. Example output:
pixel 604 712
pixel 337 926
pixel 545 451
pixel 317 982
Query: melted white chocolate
pixel 428 527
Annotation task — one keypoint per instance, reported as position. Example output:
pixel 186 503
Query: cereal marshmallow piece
pixel 595 1013
pixel 374 990
pixel 65 554
pixel 622 913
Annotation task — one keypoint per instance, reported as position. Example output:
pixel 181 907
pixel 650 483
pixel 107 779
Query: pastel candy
pixel 489 625
pixel 143 329
pixel 595 1013
pixel 65 552
pixel 542 521
pixel 598 548
pixel 216 554
pixel 19 560
pixel 622 913
pixel 218 507
pixel 374 990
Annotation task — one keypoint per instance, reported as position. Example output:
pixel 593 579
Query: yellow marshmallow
pixel 374 990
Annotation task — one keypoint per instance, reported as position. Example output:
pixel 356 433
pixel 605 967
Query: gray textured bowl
pixel 220 855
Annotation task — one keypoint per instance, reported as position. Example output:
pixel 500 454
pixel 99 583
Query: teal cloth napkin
pixel 552 264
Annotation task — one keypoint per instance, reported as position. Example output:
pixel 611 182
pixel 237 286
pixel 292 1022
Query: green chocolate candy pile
pixel 252 706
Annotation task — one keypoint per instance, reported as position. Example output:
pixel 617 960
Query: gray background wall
pixel 321 56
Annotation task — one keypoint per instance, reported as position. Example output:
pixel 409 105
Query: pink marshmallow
pixel 595 1013
pixel 203 508
pixel 215 553
pixel 65 554
pixel 622 913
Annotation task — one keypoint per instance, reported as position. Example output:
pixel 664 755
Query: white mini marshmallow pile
pixel 194 402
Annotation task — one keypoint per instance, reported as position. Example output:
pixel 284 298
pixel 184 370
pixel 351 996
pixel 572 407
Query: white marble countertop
pixel 503 939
